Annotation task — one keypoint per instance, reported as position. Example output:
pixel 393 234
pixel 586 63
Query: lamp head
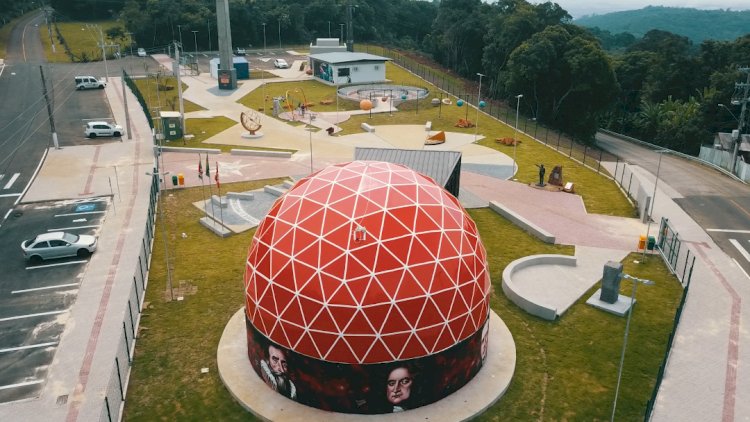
pixel 519 96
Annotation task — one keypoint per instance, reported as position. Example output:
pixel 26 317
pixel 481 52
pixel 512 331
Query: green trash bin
pixel 174 180
pixel 651 243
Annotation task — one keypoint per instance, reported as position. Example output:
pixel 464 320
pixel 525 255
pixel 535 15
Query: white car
pixel 141 52
pixel 280 64
pixel 57 245
pixel 94 129
pixel 89 82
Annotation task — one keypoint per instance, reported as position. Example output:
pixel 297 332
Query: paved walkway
pixel 705 378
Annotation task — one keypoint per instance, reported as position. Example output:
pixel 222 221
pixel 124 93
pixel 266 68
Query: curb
pixel 521 222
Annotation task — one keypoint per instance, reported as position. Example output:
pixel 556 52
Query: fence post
pixel 119 379
pixel 570 153
pixel 630 182
pixel 559 134
pixel 585 152
pixel 600 161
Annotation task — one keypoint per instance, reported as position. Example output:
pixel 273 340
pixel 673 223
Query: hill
pixel 697 25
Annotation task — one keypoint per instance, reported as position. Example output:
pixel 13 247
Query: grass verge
pixel 566 370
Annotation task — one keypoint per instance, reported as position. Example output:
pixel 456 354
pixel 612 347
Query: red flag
pixel 216 175
pixel 200 168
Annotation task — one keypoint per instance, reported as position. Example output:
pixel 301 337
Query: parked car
pixel 94 129
pixel 58 245
pixel 141 52
pixel 280 64
pixel 89 82
pixel 240 51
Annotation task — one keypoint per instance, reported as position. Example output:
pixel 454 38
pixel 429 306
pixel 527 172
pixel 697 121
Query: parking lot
pixel 35 299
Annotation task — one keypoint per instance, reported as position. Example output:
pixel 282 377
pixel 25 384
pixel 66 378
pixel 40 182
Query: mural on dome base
pixel 366 388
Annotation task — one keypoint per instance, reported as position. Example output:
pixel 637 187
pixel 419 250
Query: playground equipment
pixel 436 139
pixel 291 99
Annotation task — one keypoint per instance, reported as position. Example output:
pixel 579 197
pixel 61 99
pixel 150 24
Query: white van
pixel 89 82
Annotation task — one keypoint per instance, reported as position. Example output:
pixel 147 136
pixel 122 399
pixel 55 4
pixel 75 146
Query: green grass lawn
pixel 565 370
pixel 83 39
pixel 312 92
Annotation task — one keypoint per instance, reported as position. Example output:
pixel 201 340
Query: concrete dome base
pixel 474 398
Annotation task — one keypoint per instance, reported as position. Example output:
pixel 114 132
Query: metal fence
pixel 114 397
pixel 681 263
pixel 469 92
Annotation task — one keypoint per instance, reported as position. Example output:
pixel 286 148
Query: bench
pixel 367 128
pixel 428 126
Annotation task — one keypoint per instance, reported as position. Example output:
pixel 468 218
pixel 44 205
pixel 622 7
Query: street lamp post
pixel 264 38
pixel 479 101
pixel 179 29
pixel 515 132
pixel 208 21
pixel 653 199
pixel 195 40
pixel 635 281
pixel 329 29
pixel 279 20
pixel 342 31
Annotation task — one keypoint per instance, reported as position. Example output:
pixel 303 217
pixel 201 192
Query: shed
pixel 444 167
pixel 241 65
pixel 348 68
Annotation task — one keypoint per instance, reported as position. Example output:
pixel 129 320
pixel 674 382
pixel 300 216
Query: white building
pixel 348 68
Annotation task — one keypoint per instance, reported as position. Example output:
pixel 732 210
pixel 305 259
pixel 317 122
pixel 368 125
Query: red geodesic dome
pixel 367 262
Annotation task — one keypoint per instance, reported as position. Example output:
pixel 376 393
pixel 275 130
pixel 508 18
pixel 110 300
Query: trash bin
pixel 642 242
pixel 651 243
pixel 174 180
pixel 181 179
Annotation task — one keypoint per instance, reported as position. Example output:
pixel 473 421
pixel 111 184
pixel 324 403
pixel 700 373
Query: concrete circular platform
pixel 487 387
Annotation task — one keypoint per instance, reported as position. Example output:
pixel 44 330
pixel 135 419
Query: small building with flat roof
pixel 327 45
pixel 348 68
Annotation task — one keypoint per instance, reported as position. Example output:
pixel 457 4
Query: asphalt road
pixel 34 300
pixel 715 201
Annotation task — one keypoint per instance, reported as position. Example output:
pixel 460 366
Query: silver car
pixel 58 245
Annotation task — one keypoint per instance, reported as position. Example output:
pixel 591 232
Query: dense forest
pixel 696 25
pixel 660 87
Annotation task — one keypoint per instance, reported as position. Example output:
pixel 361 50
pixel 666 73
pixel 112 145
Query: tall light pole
pixel 342 32
pixel 264 38
pixel 208 21
pixel 195 40
pixel 479 102
pixel 635 281
pixel 179 29
pixel 279 20
pixel 653 199
pixel 515 131
pixel 329 29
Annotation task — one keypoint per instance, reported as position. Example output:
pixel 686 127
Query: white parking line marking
pixel 739 247
pixel 20 384
pixel 79 213
pixel 31 346
pixel 6 195
pixel 11 181
pixel 36 289
pixel 13 318
pixel 728 231
pixel 55 265
pixel 741 269
pixel 61 229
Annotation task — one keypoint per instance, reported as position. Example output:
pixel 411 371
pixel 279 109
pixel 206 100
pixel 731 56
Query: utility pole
pixel 349 27
pixel 104 51
pixel 49 110
pixel 47 20
pixel 209 34
pixel 742 101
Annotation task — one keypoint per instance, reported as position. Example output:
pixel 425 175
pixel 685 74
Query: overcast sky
pixel 578 8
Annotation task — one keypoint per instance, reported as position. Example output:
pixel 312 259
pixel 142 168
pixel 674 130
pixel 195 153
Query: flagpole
pixel 210 193
pixel 218 188
pixel 203 186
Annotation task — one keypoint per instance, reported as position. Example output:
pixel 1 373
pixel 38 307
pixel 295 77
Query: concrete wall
pixel 521 222
pixel 511 290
